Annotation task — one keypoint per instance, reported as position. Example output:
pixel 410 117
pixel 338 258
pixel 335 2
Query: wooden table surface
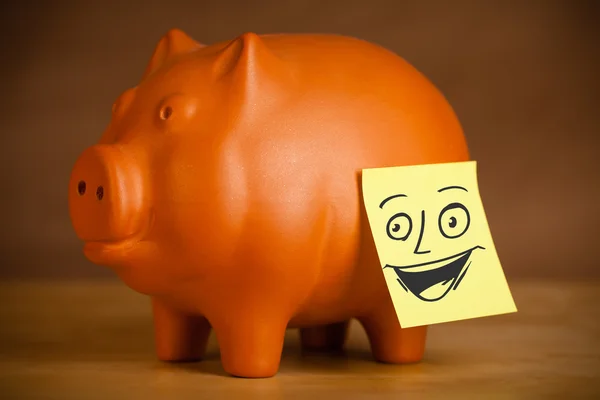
pixel 91 340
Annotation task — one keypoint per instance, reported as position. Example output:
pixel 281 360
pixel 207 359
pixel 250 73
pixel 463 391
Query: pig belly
pixel 337 310
pixel 325 308
pixel 330 303
pixel 351 283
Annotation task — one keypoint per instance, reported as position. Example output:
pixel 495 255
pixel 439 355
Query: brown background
pixel 521 75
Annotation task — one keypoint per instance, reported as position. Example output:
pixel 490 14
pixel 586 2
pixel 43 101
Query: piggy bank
pixel 227 188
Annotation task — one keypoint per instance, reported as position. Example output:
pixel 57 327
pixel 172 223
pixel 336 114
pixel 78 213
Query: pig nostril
pixel 81 188
pixel 100 192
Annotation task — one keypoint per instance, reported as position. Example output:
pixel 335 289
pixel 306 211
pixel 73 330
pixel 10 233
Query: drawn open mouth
pixel 431 281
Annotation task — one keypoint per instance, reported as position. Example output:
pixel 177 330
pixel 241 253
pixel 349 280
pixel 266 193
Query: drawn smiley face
pixel 433 274
pixel 434 244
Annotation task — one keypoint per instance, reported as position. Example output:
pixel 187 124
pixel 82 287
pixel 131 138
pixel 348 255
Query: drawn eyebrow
pixel 390 198
pixel 452 187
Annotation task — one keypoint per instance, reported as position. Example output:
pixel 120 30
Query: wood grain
pixel 93 340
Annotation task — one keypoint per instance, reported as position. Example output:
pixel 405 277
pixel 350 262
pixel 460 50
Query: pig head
pixel 160 195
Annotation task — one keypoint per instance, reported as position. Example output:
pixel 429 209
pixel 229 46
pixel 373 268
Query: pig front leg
pixel 178 336
pixel 279 266
pixel 251 345
pixel 389 342
pixel 327 338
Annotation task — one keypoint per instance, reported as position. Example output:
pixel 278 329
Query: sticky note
pixel 434 244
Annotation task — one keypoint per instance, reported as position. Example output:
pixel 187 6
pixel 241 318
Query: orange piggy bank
pixel 227 188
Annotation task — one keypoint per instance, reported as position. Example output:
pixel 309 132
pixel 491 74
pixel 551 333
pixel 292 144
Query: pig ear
pixel 252 69
pixel 174 43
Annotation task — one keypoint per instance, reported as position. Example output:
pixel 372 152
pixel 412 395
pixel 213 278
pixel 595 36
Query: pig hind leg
pixel 326 338
pixel 389 342
pixel 178 336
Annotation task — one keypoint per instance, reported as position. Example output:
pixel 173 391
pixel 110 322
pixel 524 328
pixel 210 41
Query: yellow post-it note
pixel 434 243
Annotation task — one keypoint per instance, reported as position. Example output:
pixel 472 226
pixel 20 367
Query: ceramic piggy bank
pixel 227 188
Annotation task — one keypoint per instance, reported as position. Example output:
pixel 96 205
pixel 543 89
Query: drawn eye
pixel 454 220
pixel 399 226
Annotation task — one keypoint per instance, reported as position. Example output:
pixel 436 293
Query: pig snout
pixel 105 195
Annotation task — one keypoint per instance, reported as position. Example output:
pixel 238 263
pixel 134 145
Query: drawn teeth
pixel 433 265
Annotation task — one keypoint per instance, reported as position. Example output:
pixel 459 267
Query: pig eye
pixel 166 112
pixel 176 111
